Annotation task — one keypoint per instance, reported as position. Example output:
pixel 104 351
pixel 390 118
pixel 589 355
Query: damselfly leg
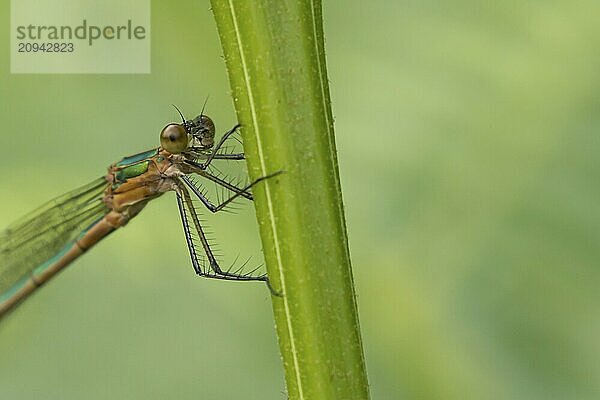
pixel 235 156
pixel 238 191
pixel 188 214
pixel 191 220
pixel 219 181
pixel 215 155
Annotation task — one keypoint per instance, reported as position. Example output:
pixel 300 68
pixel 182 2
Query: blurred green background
pixel 468 143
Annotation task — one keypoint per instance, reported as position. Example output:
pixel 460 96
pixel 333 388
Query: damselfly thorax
pixel 135 180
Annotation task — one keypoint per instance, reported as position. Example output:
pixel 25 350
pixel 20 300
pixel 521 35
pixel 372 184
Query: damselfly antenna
pixel 203 106
pixel 180 113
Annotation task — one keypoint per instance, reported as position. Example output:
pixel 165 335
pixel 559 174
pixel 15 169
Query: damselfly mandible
pixel 37 247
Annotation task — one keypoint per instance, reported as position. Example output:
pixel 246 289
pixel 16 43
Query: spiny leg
pixel 233 156
pixel 224 156
pixel 188 236
pixel 213 154
pixel 238 192
pixel 184 202
pixel 218 180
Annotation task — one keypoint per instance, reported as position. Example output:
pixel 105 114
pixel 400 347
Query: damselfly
pixel 36 248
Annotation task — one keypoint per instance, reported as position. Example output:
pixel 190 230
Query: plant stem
pixel 274 51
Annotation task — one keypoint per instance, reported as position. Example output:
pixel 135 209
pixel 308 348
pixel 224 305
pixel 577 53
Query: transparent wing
pixel 43 233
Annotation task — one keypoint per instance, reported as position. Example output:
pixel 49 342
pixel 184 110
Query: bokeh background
pixel 468 145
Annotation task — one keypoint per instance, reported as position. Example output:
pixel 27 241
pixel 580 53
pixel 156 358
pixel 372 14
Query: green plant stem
pixel 276 63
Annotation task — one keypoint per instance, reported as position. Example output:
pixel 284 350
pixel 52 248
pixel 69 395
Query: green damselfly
pixel 41 244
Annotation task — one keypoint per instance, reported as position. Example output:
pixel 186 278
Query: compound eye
pixel 208 124
pixel 174 138
pixel 208 132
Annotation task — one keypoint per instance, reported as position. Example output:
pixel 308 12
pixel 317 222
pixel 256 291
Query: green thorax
pixel 132 166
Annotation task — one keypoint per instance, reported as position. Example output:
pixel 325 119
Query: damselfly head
pixel 202 131
pixel 196 134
